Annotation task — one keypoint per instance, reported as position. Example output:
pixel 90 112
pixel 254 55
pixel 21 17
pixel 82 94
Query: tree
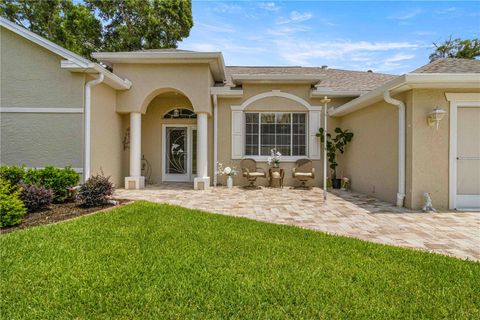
pixel 69 25
pixel 456 48
pixel 99 25
pixel 143 24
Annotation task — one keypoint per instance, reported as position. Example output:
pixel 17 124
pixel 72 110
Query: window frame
pixel 285 158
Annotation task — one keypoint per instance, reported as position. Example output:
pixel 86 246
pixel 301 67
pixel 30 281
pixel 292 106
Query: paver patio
pixel 344 213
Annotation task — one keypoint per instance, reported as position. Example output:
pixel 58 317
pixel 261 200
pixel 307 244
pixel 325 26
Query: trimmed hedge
pixel 59 180
pixel 12 174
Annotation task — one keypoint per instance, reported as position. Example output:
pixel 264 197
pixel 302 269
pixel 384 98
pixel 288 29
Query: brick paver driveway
pixel 344 213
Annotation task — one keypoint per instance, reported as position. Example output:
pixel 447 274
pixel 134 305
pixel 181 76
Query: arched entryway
pixel 168 141
pixel 169 127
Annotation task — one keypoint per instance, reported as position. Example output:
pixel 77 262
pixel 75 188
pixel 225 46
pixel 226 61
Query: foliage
pixel 335 144
pixel 11 207
pixel 155 261
pixel 35 197
pixel 95 191
pixel 456 48
pixel 59 180
pixel 70 25
pixel 12 174
pixel 96 25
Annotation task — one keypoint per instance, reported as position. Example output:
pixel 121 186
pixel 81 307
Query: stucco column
pixel 202 181
pixel 135 180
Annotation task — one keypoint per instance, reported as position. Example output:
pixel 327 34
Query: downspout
pixel 87 119
pixel 215 140
pixel 401 145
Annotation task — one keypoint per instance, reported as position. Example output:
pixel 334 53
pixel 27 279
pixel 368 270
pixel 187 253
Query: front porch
pixel 345 213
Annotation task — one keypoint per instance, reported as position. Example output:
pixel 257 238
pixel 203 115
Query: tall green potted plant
pixel 337 143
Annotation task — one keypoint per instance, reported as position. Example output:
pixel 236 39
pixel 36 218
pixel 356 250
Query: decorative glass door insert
pixel 179 153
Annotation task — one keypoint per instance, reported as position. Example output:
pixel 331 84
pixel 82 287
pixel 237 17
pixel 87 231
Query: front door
pixel 179 153
pixel 468 158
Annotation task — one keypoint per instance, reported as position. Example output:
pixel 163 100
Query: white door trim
pixel 178 178
pixel 456 100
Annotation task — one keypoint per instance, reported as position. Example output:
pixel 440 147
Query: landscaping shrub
pixel 12 174
pixel 35 197
pixel 59 180
pixel 95 191
pixel 11 207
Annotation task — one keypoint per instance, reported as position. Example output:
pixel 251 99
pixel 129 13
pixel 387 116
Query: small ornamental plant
pixel 12 208
pixel 274 159
pixel 36 197
pixel 227 171
pixel 96 191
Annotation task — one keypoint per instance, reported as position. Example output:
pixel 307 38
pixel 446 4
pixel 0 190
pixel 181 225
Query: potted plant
pixel 229 172
pixel 337 143
pixel 274 159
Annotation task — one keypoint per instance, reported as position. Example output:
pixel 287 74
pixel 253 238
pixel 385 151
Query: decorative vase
pixel 229 182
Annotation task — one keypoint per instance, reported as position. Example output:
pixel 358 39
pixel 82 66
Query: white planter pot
pixel 229 182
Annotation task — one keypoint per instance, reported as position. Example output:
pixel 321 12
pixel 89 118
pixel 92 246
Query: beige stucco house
pixel 172 115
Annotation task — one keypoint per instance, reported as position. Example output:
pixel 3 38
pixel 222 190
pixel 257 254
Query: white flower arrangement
pixel 228 171
pixel 274 159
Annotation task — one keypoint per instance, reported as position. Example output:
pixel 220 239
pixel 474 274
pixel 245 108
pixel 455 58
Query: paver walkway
pixel 344 213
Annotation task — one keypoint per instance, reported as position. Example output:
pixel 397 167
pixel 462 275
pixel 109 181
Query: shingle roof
pixel 163 50
pixel 450 65
pixel 337 80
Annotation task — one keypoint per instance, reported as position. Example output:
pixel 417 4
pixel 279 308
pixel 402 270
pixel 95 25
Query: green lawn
pixel 151 261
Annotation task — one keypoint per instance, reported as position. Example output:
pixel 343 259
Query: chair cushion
pixel 303 174
pixel 256 174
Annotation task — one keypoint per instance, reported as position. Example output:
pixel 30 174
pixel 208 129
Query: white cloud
pixel 295 16
pixel 219 28
pixel 406 15
pixel 355 55
pixel 269 6
pixel 446 10
pixel 228 8
pixel 286 30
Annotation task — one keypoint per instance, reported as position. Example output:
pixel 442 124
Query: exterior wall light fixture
pixel 435 116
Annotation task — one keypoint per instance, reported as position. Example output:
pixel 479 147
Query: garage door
pixel 468 158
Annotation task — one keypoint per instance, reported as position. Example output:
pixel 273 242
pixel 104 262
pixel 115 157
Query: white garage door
pixel 468 158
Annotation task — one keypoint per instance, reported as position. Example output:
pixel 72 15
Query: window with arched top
pixel 180 113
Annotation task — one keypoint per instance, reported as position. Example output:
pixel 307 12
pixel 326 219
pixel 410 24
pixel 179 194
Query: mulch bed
pixel 56 213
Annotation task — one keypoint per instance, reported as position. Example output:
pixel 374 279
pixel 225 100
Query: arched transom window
pixel 180 113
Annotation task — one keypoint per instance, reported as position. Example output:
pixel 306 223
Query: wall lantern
pixel 435 116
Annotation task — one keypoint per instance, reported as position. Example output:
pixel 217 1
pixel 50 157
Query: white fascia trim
pixel 226 92
pixel 214 59
pixel 277 78
pixel 464 97
pixel 409 81
pixel 111 79
pixel 276 93
pixel 40 110
pixel 322 92
pixel 29 35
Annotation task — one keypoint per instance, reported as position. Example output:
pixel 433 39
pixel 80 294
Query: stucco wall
pixel 370 160
pixel 430 148
pixel 150 80
pixel 267 104
pixel 106 135
pixel 31 77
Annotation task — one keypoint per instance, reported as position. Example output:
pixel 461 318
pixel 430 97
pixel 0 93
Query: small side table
pixel 277 174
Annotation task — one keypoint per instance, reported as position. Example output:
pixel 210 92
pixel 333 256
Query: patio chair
pixel 251 172
pixel 303 171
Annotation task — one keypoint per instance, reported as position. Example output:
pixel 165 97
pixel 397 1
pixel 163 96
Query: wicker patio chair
pixel 251 172
pixel 303 171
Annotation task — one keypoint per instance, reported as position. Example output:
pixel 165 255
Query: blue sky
pixel 391 37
